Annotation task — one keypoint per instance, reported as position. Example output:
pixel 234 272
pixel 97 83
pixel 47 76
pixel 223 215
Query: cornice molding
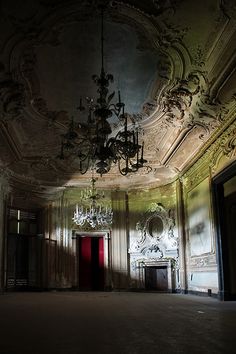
pixel 208 163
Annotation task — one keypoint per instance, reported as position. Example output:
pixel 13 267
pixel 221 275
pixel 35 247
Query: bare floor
pixel 116 322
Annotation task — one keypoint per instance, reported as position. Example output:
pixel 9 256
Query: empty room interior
pixel 117 176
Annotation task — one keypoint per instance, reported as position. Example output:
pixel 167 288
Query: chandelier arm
pixel 123 157
pixel 84 159
pixel 86 169
pixel 121 172
pixel 116 108
pixel 61 155
pixel 87 155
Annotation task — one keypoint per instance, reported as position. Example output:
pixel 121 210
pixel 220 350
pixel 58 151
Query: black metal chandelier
pixel 93 143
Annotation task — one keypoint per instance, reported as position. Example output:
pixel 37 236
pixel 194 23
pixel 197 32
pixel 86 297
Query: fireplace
pixel 158 275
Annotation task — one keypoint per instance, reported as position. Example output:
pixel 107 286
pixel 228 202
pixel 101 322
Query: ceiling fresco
pixel 173 61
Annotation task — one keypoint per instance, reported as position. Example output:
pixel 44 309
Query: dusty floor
pixel 124 323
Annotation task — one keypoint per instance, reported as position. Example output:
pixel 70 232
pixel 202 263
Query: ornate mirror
pixel 155 226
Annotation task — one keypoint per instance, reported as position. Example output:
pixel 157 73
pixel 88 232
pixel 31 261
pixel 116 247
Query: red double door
pixel 91 263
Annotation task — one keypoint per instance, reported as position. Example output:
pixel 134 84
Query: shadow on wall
pixel 43 264
pixel 50 266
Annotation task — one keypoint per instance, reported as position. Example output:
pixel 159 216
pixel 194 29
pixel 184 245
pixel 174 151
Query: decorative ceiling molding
pixel 12 95
pixel 189 95
pixel 163 38
pixel 222 148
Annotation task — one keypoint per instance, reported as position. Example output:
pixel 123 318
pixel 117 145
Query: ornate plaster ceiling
pixel 174 62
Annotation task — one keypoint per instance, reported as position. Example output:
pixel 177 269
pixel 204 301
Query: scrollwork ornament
pixel 228 8
pixel 228 144
pixel 156 231
pixel 188 103
pixel 12 95
pixel 171 34
pixel 198 56
pixel 163 6
pixel 226 147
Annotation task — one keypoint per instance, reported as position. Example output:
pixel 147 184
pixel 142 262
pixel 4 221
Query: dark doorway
pixel 91 263
pixel 17 261
pixel 230 235
pixel 224 193
pixel 23 262
pixel 156 278
pixel 23 251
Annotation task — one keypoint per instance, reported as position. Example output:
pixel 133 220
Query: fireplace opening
pixel 156 278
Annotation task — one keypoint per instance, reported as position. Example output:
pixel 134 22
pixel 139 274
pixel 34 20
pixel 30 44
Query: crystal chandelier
pixel 93 143
pixel 96 215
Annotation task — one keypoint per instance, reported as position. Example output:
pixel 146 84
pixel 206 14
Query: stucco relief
pixel 228 8
pixel 188 103
pixel 166 5
pixel 185 106
pixel 198 57
pixel 37 103
pixel 226 149
pixel 221 152
pixel 34 35
pixel 155 230
pixel 155 241
pixel 208 261
pixel 12 95
pixel 178 94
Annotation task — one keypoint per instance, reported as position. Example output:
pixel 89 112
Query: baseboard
pixel 202 293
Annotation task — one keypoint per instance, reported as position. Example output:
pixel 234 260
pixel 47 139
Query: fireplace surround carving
pixel 154 244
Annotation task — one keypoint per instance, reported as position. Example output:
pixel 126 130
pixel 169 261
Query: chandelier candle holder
pixel 96 215
pixel 93 143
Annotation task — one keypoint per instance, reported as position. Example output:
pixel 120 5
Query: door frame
pixel 107 259
pixel 219 221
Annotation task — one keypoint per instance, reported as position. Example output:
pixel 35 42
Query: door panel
pixel 85 269
pixel 11 261
pixel 224 204
pixel 17 261
pixel 230 240
pixel 91 263
pixel 101 262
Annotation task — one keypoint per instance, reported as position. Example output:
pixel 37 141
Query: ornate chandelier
pixel 93 143
pixel 96 215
